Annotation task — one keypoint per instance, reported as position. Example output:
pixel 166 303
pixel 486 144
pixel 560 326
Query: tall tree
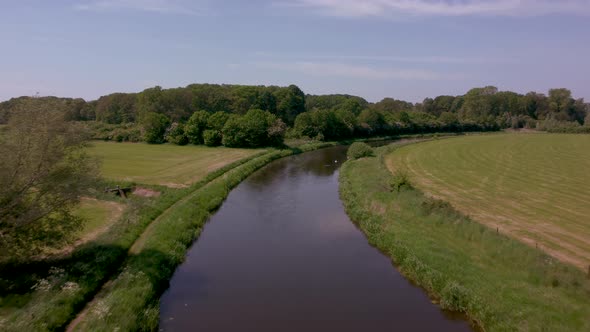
pixel 44 170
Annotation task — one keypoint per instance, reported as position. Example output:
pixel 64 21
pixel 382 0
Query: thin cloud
pixel 429 59
pixel 400 8
pixel 154 6
pixel 323 69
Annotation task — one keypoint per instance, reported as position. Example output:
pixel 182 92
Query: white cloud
pixel 155 6
pixel 331 69
pixel 399 8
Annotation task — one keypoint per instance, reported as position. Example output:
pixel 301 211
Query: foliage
pixel 176 134
pixel 326 117
pixel 44 170
pixel 217 120
pixel 359 150
pixel 254 129
pixel 154 127
pixel 195 127
pixel 212 137
pixel 400 180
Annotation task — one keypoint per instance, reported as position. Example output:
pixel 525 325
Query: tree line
pixel 250 116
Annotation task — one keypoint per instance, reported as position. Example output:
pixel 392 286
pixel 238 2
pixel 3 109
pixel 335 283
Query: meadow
pixel 501 283
pixel 534 187
pixel 166 164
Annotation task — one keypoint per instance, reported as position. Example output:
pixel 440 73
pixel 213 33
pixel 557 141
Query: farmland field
pixel 534 187
pixel 166 164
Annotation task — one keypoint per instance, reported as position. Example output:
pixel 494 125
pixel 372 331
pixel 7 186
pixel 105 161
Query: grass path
pixel 534 187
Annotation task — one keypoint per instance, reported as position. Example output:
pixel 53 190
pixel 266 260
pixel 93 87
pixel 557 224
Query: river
pixel 282 255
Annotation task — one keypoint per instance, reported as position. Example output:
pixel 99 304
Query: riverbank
pixel 73 280
pixel 500 283
pixel 131 300
pixel 74 283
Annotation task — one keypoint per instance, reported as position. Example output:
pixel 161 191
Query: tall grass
pixel 500 283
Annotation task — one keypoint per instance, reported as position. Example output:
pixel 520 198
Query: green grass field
pixel 166 164
pixel 501 283
pixel 534 187
pixel 98 216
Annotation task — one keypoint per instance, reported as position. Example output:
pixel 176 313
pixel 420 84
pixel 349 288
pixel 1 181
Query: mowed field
pixel 534 187
pixel 166 164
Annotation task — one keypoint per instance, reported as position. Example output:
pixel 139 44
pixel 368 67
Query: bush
pixel 154 127
pixel 176 134
pixel 399 180
pixel 359 150
pixel 195 126
pixel 254 129
pixel 212 137
pixel 455 297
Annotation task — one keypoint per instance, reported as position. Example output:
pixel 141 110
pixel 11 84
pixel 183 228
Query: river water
pixel 282 255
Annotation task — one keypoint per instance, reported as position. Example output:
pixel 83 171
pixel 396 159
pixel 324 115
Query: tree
pixel 371 121
pixel 195 126
pixel 290 103
pixel 176 134
pixel 254 129
pixel 154 127
pixel 217 120
pixel 44 170
pixel 232 133
pixel 212 137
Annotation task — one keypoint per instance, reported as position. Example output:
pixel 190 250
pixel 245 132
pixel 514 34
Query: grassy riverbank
pixel 501 284
pixel 131 301
pixel 46 294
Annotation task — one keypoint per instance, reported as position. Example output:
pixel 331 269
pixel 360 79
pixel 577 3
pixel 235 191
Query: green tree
pixel 154 127
pixel 212 137
pixel 44 170
pixel 290 103
pixel 195 126
pixel 371 121
pixel 217 120
pixel 176 134
pixel 233 134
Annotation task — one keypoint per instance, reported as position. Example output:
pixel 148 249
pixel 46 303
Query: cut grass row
pixel 500 283
pixel 72 281
pixel 131 301
pixel 534 187
pixel 166 164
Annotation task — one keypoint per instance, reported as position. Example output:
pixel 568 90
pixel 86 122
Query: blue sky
pixel 374 48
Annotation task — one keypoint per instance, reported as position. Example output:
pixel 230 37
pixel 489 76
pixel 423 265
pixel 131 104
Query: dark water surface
pixel 282 255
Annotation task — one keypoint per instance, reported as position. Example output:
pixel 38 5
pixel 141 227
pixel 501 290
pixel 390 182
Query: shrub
pixel 154 127
pixel 399 181
pixel 195 126
pixel 176 134
pixel 455 297
pixel 212 137
pixel 359 150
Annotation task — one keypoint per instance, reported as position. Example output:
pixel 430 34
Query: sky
pixel 403 49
